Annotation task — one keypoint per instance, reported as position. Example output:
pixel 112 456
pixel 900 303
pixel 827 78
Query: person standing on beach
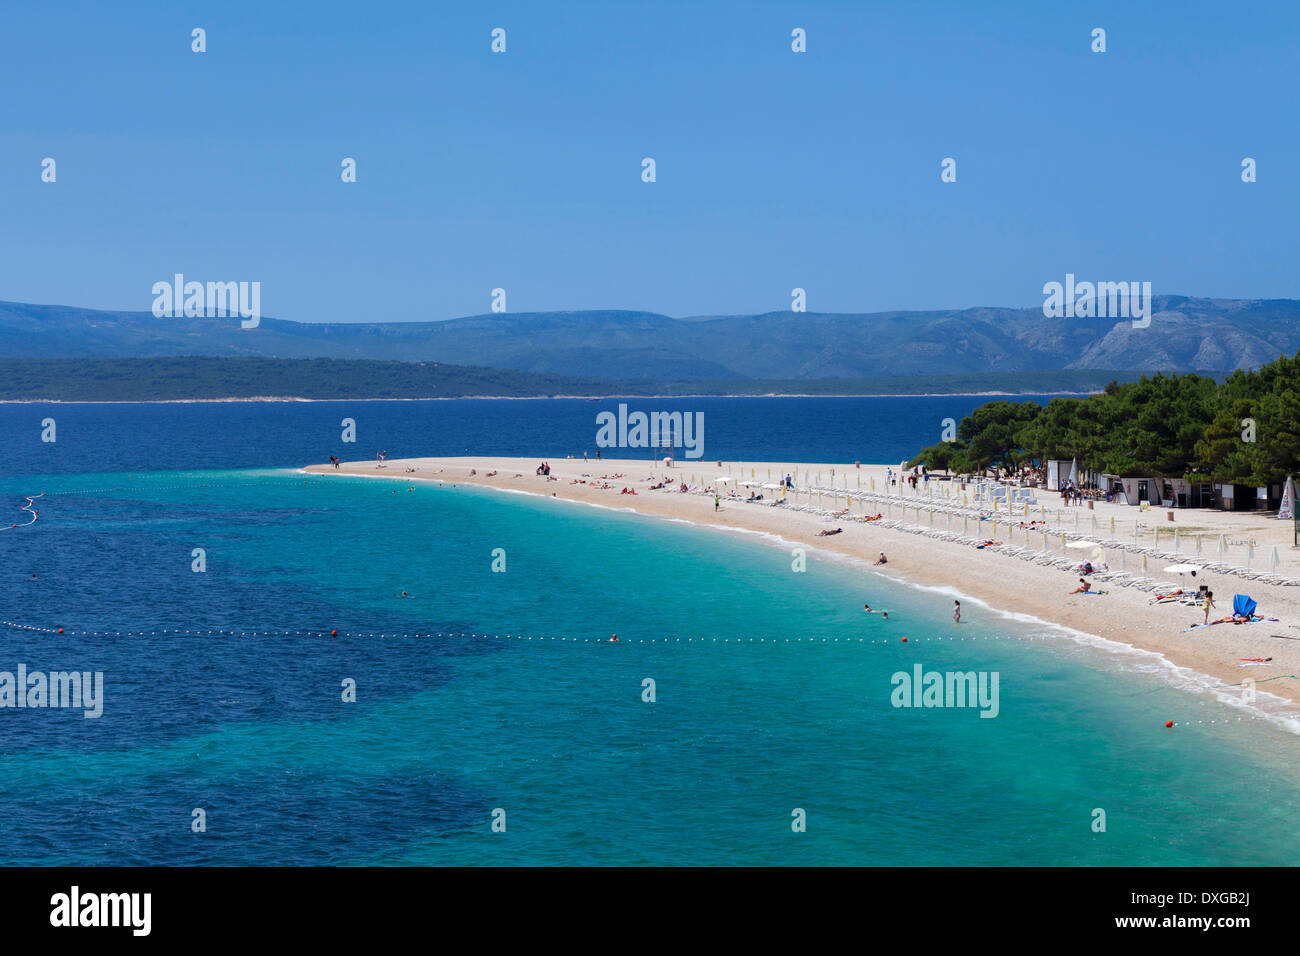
pixel 1209 603
pixel 956 612
pixel 715 502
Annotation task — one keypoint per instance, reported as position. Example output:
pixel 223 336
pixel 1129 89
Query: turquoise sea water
pixel 766 700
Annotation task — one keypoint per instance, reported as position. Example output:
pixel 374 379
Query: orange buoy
pixel 334 633
pixel 60 630
pixel 904 640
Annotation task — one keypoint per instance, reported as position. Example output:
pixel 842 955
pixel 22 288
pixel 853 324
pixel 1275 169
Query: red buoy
pixel 334 633
pixel 1168 724
pixel 904 640
pixel 60 630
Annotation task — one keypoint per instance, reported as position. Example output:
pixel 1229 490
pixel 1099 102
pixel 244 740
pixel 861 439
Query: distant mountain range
pixel 1211 336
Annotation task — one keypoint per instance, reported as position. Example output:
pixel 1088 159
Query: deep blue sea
pixel 488 691
pixel 276 434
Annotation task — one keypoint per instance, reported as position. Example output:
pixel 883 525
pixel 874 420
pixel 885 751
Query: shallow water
pixel 773 693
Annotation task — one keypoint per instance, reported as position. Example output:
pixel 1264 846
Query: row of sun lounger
pixel 1122 578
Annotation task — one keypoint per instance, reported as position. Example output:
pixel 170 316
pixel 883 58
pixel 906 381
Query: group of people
pixel 543 469
pixel 918 474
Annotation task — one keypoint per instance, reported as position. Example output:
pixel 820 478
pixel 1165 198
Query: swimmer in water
pixel 405 595
pixel 867 608
pixel 613 639
pixel 885 615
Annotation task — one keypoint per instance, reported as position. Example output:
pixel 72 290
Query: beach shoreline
pixel 1007 585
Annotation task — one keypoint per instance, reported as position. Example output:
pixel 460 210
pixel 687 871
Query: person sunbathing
pixel 882 559
pixel 824 533
pixel 1083 588
pixel 987 544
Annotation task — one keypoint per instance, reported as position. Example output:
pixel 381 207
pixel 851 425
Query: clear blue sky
pixel 523 170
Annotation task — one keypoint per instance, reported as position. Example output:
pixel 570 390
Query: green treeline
pixel 1245 430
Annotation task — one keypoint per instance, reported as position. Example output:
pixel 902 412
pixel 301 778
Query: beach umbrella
pixel 1223 545
pixel 1176 530
pixel 1198 544
pixel 1274 560
pixel 1094 522
pixel 1181 569
pixel 1081 544
pixel 1250 554
pixel 1074 471
pixel 1123 560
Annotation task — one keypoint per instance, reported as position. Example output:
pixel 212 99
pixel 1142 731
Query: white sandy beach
pixel 1003 581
